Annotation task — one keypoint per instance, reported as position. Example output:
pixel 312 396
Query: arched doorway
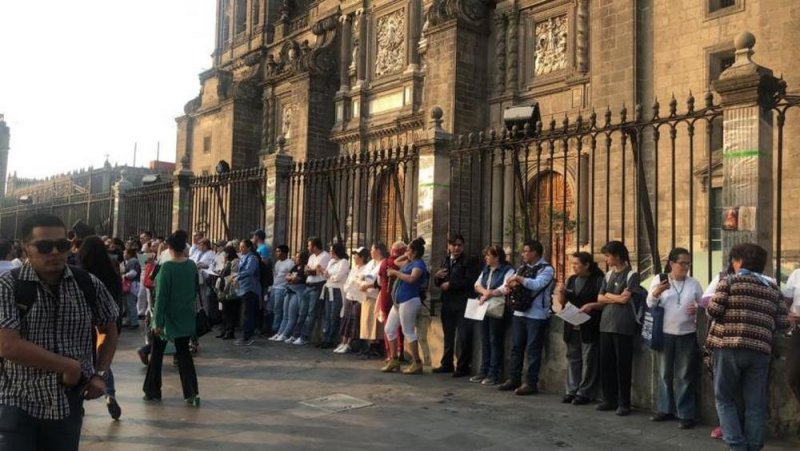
pixel 389 218
pixel 553 223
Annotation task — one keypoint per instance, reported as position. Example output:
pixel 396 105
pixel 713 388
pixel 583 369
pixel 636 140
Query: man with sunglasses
pixel 46 341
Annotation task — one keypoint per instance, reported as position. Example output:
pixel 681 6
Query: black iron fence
pixel 148 207
pixel 651 179
pixel 355 199
pixel 95 209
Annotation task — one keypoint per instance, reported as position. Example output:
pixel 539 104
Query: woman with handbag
pixel 226 293
pixel 678 295
pixel 174 319
pixel 489 287
pixel 583 342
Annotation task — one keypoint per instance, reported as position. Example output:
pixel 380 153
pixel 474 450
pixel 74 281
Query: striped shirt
pixel 62 324
pixel 747 312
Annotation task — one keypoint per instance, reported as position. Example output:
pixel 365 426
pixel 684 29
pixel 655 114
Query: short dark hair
pixel 382 249
pixel 6 247
pixel 249 245
pixel 260 234
pixel 283 248
pixel 338 249
pixel 752 256
pixel 496 251
pixel 40 220
pixel 177 241
pixel 456 237
pixel 315 241
pixel 617 249
pixel 534 246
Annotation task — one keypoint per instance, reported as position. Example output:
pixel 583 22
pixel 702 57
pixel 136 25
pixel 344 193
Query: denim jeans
pixel 528 338
pixel 740 371
pixel 679 360
pixel 111 389
pixel 133 314
pixel 291 309
pixel 250 301
pixel 277 297
pixel 22 432
pixel 333 310
pixel 308 312
pixel 493 333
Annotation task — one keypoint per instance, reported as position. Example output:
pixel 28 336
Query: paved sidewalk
pixel 251 401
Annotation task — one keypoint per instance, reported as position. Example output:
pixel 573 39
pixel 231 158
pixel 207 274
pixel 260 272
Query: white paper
pixel 475 311
pixel 208 272
pixel 573 315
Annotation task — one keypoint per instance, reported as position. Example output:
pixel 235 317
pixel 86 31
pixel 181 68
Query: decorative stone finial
pixel 745 41
pixel 185 160
pixel 281 144
pixel 436 115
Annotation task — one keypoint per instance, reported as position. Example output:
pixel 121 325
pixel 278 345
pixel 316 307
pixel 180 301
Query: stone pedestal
pixel 276 197
pixel 118 192
pixel 182 198
pixel 747 91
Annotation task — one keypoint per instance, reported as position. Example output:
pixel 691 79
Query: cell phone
pixel 663 277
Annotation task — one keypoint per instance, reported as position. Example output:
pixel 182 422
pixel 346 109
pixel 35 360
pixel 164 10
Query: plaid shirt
pixel 61 324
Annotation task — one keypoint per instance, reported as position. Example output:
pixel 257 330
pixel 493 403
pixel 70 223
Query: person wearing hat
pixel 354 296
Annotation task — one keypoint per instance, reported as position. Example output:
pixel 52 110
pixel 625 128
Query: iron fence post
pixel 747 91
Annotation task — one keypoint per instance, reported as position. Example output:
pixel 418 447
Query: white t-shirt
pixel 318 262
pixel 790 290
pixel 337 273
pixel 370 276
pixel 352 286
pixel 676 301
pixel 281 269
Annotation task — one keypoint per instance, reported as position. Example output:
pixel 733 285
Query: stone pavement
pixel 251 400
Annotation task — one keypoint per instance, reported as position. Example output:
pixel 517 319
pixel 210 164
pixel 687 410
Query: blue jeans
pixel 133 313
pixel 678 363
pixel 277 296
pixel 110 387
pixel 333 310
pixel 493 333
pixel 291 309
pixel 740 371
pixel 528 338
pixel 250 301
pixel 308 312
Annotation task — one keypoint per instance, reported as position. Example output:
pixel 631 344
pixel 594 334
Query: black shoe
pixel 604 406
pixel 442 370
pixel 508 385
pixel 623 411
pixel 113 407
pixel 659 416
pixel 686 424
pixel 526 390
pixel 229 337
pixel 567 399
pixel 580 401
pixel 149 398
pixel 460 373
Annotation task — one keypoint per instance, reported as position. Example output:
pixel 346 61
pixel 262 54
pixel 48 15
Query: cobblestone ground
pixel 251 399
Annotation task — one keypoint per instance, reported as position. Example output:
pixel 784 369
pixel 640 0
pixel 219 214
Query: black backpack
pixel 265 272
pixel 25 290
pixel 521 297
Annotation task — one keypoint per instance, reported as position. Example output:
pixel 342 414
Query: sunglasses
pixel 47 246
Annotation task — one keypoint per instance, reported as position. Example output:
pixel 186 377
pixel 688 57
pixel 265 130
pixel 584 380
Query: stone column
pixel 434 188
pixel 120 207
pixel 182 197
pixel 276 197
pixel 412 36
pixel 512 74
pixel 344 53
pixel 500 53
pixel 747 91
pixel 266 122
pixel 360 55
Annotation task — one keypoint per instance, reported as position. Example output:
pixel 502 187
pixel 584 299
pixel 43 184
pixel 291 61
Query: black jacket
pixel 462 274
pixel 590 330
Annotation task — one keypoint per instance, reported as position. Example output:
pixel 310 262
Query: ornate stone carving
pixel 582 37
pixel 192 105
pixel 473 11
pixel 355 36
pixel 500 52
pixel 286 122
pixel 512 74
pixel 295 58
pixel 551 46
pixel 390 57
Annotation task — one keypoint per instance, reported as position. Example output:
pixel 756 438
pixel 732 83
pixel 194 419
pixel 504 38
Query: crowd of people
pixel 375 302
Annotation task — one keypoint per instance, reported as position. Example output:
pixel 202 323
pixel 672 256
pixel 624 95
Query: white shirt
pixel 352 286
pixel 500 291
pixel 318 262
pixel 6 266
pixel 790 290
pixel 676 301
pixel 337 272
pixel 281 269
pixel 370 276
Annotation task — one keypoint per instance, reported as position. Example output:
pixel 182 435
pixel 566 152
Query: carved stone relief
pixel 390 57
pixel 286 122
pixel 356 39
pixel 551 45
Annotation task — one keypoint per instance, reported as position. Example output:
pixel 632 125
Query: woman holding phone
pixel 679 295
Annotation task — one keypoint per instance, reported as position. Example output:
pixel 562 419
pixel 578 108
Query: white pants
pixel 406 315
pixel 142 299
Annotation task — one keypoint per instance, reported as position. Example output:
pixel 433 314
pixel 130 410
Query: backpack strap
pixel 84 280
pixel 24 293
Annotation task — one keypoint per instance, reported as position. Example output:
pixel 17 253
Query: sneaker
pixel 280 337
pixel 113 407
pixel 489 381
pixel 343 349
pixel 149 398
pixel 274 337
pixel 477 379
pixel 391 366
pixel 299 341
pixel 244 342
pixel 716 433
pixel 289 340
pixel 414 368
pixel 194 401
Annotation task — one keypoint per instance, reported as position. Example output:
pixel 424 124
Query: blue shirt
pixel 540 309
pixel 249 276
pixel 407 291
pixel 263 251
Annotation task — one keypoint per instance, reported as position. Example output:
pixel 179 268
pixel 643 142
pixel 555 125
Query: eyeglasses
pixel 47 246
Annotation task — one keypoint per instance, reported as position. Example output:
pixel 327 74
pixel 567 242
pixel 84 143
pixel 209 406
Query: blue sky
pixel 86 78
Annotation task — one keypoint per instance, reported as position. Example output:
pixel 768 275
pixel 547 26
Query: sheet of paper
pixel 475 311
pixel 208 272
pixel 573 315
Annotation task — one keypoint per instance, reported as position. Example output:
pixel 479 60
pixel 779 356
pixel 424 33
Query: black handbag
pixel 203 323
